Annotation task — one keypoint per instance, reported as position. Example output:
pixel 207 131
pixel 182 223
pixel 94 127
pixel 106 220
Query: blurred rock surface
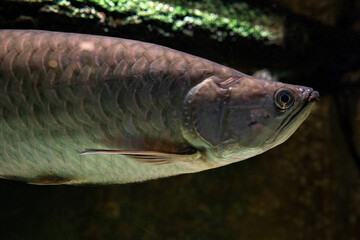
pixel 324 11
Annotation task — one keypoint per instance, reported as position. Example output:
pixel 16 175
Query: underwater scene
pixel 174 119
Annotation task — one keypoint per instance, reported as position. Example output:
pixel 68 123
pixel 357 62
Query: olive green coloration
pixel 90 109
pixel 222 20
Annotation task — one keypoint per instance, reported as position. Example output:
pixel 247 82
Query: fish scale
pixel 58 89
pixel 64 93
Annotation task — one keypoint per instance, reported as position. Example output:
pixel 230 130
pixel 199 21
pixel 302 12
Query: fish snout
pixel 314 96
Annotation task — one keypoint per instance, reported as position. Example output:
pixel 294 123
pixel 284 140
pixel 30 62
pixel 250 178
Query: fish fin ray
pixel 49 179
pixel 151 157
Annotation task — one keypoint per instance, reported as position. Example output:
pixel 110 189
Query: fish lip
pixel 313 96
pixel 308 101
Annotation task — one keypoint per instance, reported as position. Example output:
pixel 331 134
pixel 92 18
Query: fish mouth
pixel 288 124
pixel 311 99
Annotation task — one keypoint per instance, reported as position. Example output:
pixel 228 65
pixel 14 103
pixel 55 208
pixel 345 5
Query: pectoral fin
pixel 152 157
pixel 49 179
pixel 45 179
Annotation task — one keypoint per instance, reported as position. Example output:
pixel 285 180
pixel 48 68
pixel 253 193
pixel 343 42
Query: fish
pixel 85 109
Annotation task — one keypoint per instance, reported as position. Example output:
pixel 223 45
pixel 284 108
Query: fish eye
pixel 284 99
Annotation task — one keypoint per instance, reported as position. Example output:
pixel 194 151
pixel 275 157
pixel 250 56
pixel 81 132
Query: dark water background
pixel 307 188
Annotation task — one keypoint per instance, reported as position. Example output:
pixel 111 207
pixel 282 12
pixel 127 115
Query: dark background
pixel 307 188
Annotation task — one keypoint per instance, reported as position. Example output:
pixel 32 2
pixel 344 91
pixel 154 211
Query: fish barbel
pixel 79 108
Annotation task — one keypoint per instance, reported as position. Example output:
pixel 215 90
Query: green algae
pixel 67 8
pixel 221 20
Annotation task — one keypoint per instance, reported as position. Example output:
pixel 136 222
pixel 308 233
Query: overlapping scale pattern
pixel 63 93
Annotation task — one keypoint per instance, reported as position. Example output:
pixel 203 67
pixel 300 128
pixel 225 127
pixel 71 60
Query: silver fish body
pixel 79 109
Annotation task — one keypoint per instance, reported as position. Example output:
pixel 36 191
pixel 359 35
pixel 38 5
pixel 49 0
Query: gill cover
pixel 204 113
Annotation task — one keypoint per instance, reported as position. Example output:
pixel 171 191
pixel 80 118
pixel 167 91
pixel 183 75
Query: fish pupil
pixel 285 98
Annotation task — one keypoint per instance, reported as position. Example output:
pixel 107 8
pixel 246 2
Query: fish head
pixel 242 117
